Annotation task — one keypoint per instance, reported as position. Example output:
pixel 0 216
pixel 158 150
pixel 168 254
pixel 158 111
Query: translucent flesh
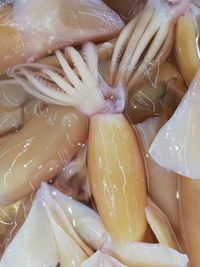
pixel 179 137
pixel 161 56
pixel 140 254
pixel 52 26
pixel 39 151
pixel 190 218
pixel 45 238
pixel 84 220
pixel 12 94
pixel 161 226
pixel 117 177
pixel 162 184
pixel 186 47
pixel 12 48
pixel 11 119
pixel 7 223
pixel 162 90
pixel 101 260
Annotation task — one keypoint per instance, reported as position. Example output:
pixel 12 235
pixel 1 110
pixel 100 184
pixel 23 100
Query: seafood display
pixel 99 127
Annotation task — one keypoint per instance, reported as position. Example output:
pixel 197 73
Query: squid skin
pixel 8 216
pixel 51 27
pixel 161 226
pixel 179 137
pixel 39 151
pixel 187 54
pixel 117 177
pixel 59 242
pixel 11 119
pixel 125 170
pixel 190 204
pixel 162 184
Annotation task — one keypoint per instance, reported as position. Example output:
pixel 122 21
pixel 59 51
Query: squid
pixel 72 232
pixel 30 29
pixel 161 226
pixel 162 184
pixel 117 176
pixel 59 239
pixel 103 104
pixel 189 190
pixel 115 164
pixel 187 43
pixel 179 137
pixel 145 42
pixel 39 151
pixel 11 119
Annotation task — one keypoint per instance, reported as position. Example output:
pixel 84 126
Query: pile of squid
pixel 99 133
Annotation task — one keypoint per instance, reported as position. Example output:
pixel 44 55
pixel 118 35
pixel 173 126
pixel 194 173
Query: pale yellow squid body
pixel 28 156
pixel 117 177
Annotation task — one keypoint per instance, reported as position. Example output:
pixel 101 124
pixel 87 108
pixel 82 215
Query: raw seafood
pixel 161 226
pixel 145 42
pixel 10 119
pixel 99 97
pixel 187 50
pixel 151 255
pixel 75 80
pixel 162 183
pixel 117 177
pixel 160 92
pixel 189 190
pixel 39 151
pixel 65 225
pixel 46 219
pixel 179 137
pixel 33 29
pixel 11 93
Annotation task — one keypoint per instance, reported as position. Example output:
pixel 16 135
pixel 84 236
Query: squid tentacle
pixel 133 42
pixel 140 42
